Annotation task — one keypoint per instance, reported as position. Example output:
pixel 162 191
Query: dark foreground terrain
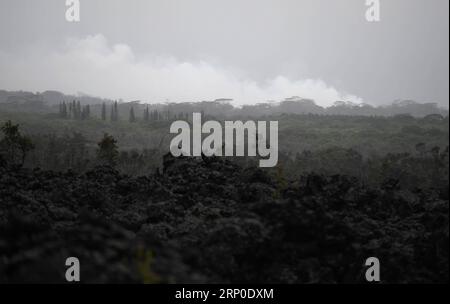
pixel 209 220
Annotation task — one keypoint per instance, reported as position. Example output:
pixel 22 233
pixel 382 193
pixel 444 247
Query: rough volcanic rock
pixel 209 220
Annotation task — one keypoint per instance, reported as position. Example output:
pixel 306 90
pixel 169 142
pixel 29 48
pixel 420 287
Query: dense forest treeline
pixel 413 151
pixel 50 102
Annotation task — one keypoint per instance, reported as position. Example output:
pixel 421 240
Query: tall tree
pixel 14 146
pixel 116 111
pixel 64 110
pixel 74 110
pixel 112 113
pixel 86 112
pixel 168 113
pixel 132 116
pixel 78 110
pixel 107 151
pixel 146 114
pixel 69 115
pixel 103 112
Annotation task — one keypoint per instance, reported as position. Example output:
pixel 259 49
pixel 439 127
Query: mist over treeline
pixel 51 102
pixel 92 178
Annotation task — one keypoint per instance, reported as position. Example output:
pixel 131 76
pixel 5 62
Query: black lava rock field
pixel 208 220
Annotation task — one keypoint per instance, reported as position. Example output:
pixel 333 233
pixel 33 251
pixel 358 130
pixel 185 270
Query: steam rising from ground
pixel 94 66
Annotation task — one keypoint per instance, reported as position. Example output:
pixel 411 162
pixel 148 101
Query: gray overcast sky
pixel 249 50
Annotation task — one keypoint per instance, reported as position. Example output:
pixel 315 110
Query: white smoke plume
pixel 93 66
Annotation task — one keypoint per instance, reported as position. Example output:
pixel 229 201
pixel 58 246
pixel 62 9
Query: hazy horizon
pixel 250 52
